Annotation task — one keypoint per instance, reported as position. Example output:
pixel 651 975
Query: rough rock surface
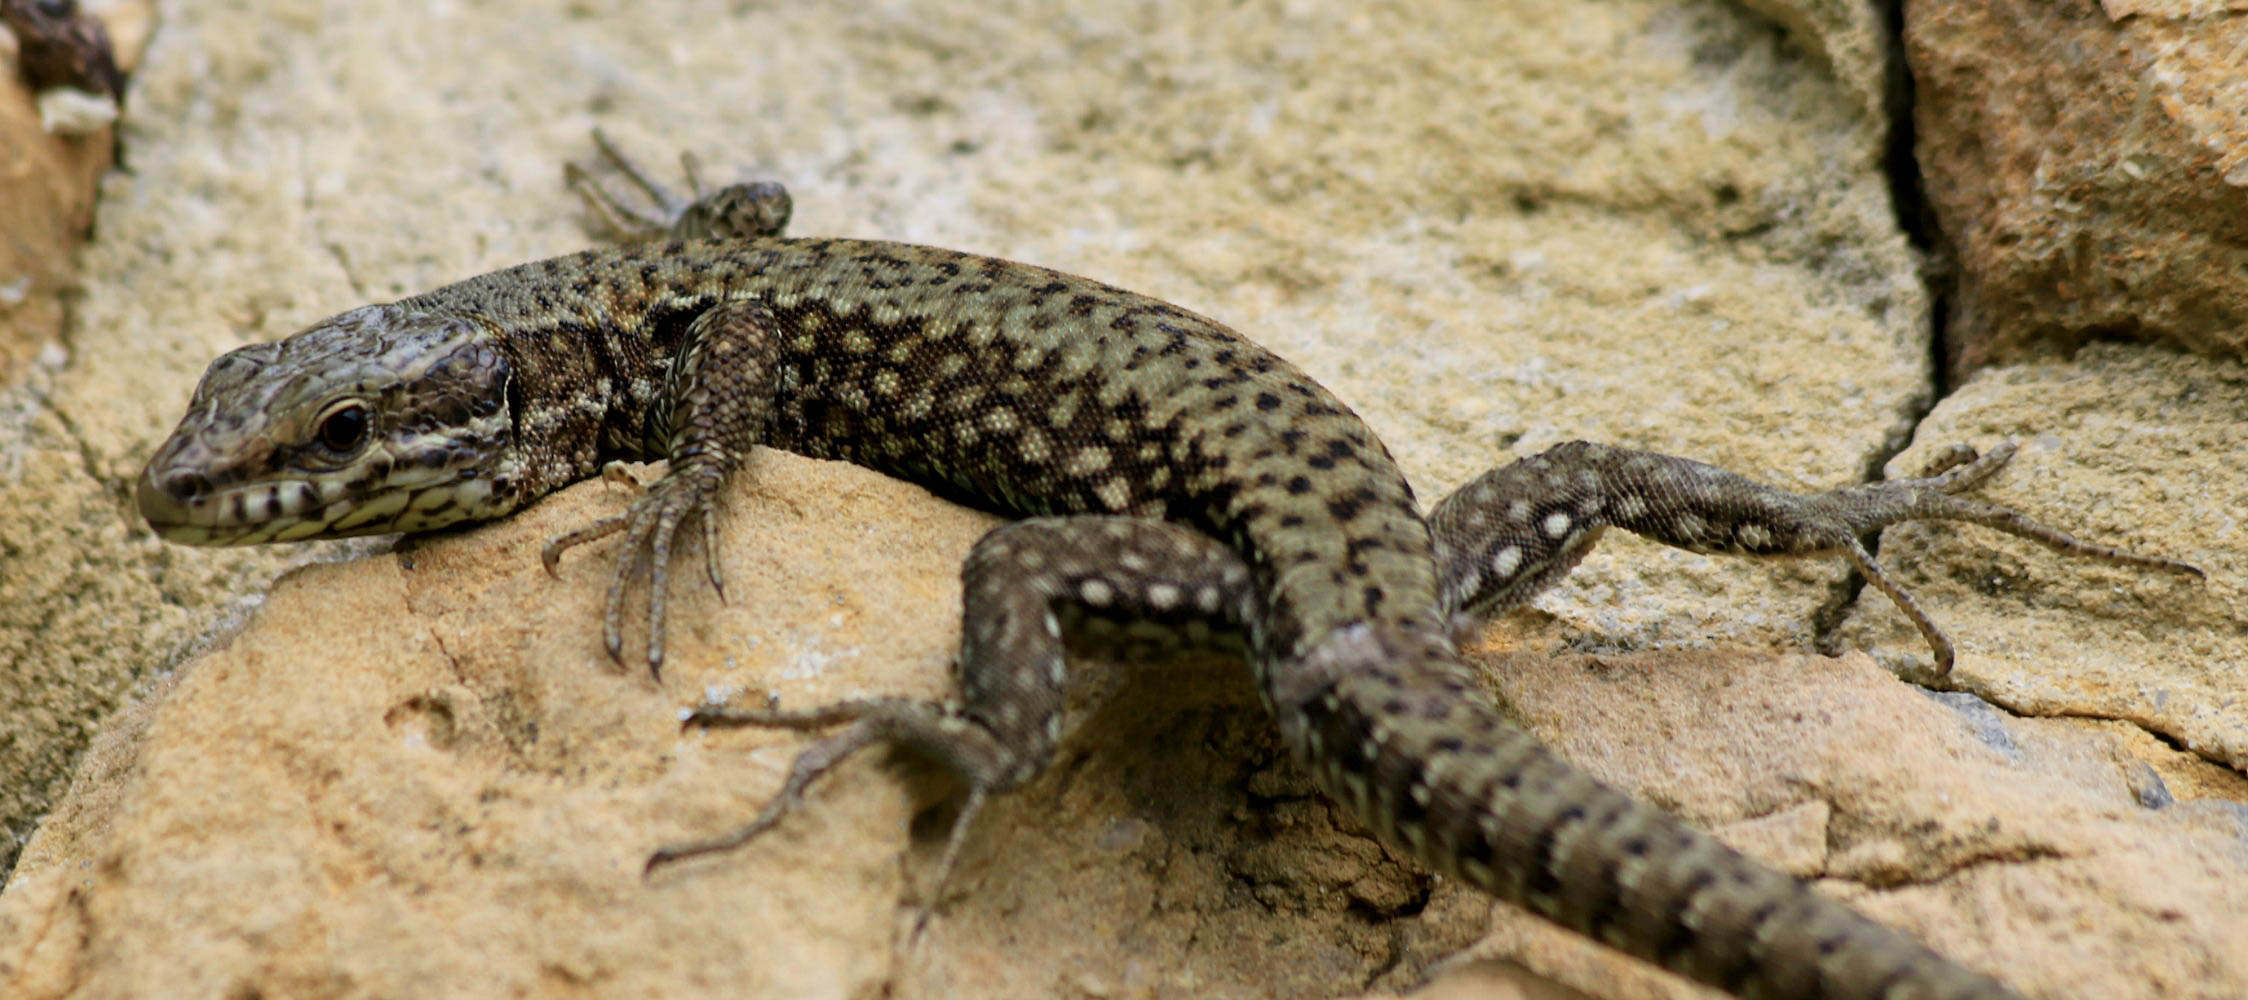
pixel 2133 446
pixel 2087 161
pixel 47 184
pixel 59 606
pixel 1657 224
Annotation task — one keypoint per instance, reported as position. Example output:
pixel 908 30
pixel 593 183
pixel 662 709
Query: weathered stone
pixel 1648 223
pixel 2088 167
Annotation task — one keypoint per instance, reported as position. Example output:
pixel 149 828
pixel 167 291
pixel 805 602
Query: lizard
pixel 1169 475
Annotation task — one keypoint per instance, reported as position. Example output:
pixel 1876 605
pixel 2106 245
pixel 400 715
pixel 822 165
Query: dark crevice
pixel 1916 218
pixel 1908 193
pixel 2174 742
pixel 2145 725
pixel 1955 868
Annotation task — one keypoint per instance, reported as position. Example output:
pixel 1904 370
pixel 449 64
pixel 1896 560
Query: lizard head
pixel 381 419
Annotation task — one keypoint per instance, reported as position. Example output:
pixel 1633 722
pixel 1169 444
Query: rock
pixel 2088 167
pixel 2127 446
pixel 2030 858
pixel 1656 225
pixel 383 787
pixel 64 603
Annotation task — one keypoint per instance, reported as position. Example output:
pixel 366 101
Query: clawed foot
pixel 649 527
pixel 735 211
pixel 814 761
pixel 937 730
pixel 1934 495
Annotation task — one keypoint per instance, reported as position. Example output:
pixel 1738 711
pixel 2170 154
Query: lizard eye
pixel 343 429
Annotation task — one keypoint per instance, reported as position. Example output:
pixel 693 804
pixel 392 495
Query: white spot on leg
pixel 1096 593
pixel 1116 493
pixel 1088 460
pixel 1507 562
pixel 1556 524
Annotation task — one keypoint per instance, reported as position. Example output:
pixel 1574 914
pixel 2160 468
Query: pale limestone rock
pixel 382 787
pixel 2127 445
pixel 1656 224
pixel 2025 847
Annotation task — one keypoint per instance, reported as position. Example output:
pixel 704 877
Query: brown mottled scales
pixel 1176 473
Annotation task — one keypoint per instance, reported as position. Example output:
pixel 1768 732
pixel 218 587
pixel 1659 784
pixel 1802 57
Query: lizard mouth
pixel 185 507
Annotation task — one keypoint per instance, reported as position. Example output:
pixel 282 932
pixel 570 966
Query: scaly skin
pixel 1180 474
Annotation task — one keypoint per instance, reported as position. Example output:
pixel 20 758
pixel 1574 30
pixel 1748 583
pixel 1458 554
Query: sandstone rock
pixel 2129 446
pixel 64 603
pixel 1490 234
pixel 2088 167
pixel 1658 225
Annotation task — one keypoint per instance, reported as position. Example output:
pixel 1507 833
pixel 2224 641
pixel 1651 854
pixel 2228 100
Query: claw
pixel 734 211
pixel 551 556
pixel 816 760
pixel 1954 455
pixel 630 223
pixel 649 527
pixel 710 556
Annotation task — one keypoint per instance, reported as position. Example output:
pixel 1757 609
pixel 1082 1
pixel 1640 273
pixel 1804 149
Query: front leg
pixel 716 395
pixel 733 212
pixel 1515 530
pixel 715 402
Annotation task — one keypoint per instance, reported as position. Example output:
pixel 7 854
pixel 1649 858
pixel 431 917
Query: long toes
pixel 954 841
pixel 1950 456
pixel 729 717
pixel 612 614
pixel 666 528
pixel 710 555
pixel 612 635
pixel 1960 474
pixel 814 761
pixel 551 555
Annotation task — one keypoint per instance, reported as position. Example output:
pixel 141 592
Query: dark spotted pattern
pixel 1203 485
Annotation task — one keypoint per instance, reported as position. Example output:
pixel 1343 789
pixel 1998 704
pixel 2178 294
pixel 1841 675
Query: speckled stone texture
pixel 1491 229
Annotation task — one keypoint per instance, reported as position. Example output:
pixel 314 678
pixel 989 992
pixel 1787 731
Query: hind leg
pixel 1026 586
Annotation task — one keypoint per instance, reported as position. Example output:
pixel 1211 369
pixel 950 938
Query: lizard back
pixel 1012 387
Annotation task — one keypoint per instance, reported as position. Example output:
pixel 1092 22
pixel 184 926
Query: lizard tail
pixel 1415 749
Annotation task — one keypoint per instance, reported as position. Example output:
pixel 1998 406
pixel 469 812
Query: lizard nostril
pixel 187 487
